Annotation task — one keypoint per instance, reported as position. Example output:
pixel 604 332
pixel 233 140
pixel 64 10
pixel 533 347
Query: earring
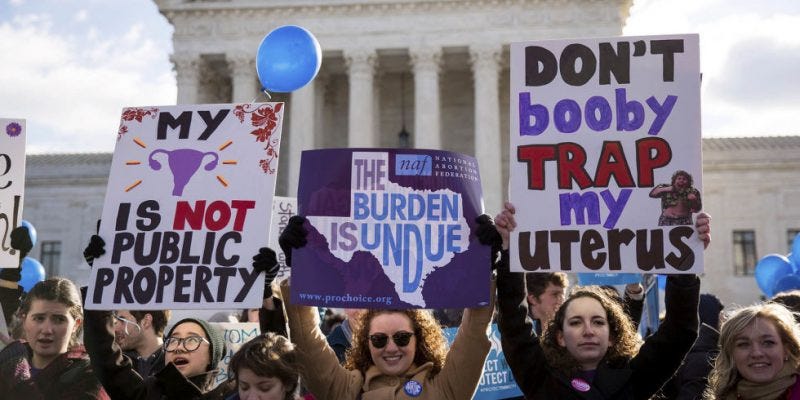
pixel 786 358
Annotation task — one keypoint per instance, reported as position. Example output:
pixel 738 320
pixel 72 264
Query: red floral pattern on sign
pixel 134 114
pixel 265 119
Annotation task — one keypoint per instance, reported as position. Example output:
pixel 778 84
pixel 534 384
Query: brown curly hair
pixel 272 356
pixel 624 343
pixel 431 343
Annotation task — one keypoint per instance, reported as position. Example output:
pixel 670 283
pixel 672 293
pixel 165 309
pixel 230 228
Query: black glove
pixel 21 240
pixel 293 237
pixel 487 234
pixel 95 248
pixel 683 279
pixel 266 261
pixel 11 274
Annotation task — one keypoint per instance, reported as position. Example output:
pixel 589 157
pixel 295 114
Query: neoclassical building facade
pixel 417 73
pixel 436 69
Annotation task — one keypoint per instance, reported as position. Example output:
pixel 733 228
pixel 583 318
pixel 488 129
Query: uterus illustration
pixel 183 163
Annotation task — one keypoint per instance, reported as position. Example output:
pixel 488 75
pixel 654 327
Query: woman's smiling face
pixel 758 351
pixel 392 359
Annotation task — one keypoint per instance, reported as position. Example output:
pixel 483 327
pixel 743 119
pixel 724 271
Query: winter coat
pixel 327 379
pixel 692 378
pixel 339 341
pixel 636 379
pixel 121 380
pixel 68 377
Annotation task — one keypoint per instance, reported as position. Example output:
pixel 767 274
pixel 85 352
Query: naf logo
pixel 413 164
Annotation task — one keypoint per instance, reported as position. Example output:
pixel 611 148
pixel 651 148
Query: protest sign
pixel 12 186
pixel 497 381
pixel 283 208
pixel 235 334
pixel 390 229
pixel 605 168
pixel 188 204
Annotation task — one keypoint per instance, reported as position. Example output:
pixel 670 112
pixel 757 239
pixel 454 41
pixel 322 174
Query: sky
pixel 69 66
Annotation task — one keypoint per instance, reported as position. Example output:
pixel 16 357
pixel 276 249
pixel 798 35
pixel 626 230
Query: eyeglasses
pixel 190 343
pixel 401 339
pixel 129 326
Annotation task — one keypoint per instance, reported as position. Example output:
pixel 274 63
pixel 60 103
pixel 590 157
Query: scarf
pixel 747 390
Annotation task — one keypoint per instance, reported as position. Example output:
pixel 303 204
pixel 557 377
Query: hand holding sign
pixel 266 261
pixel 293 237
pixel 488 235
pixel 22 239
pixel 94 249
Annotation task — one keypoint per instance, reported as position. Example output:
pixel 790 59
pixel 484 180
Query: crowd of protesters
pixel 559 343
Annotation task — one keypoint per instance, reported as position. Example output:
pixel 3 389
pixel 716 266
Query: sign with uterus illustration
pixel 188 204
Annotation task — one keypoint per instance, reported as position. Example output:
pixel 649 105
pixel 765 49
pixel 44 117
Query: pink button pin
pixel 580 385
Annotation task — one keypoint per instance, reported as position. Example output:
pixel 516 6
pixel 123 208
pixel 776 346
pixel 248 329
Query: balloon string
pixel 266 94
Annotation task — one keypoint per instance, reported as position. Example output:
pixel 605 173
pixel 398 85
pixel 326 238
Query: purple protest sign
pixel 390 228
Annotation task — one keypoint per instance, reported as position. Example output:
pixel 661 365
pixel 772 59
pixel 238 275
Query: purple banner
pixel 390 228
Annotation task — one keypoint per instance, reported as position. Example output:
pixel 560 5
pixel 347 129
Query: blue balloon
pixel 769 270
pixel 288 58
pixel 32 273
pixel 794 256
pixel 31 230
pixel 787 283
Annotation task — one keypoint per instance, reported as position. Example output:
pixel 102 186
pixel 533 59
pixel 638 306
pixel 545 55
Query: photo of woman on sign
pixel 679 200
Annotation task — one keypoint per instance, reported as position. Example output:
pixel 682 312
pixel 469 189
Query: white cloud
pixel 72 88
pixel 749 55
pixel 81 16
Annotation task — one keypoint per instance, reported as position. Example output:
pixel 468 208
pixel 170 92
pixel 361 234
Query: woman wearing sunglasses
pixel 396 354
pixel 192 351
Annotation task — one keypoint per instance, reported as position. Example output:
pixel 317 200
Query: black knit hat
pixel 215 340
pixel 709 309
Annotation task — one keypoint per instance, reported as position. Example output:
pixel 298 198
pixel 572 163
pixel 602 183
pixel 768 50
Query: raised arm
pixel 463 367
pixel 321 373
pixel 663 352
pixel 520 343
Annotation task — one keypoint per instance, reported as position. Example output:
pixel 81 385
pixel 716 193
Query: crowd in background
pixel 560 342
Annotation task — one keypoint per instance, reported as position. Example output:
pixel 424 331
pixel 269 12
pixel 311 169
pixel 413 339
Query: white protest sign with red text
pixel 188 204
pixel 605 157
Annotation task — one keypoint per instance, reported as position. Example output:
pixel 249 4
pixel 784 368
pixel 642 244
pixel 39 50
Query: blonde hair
pixel 725 376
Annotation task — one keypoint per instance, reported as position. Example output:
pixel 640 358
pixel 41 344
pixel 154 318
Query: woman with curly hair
pixel 266 368
pixel 396 354
pixel 759 356
pixel 590 349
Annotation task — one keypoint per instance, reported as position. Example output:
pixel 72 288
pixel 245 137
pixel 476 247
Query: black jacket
pixel 120 379
pixel 638 379
pixel 692 378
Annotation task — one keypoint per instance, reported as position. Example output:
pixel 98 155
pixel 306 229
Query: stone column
pixel 302 109
pixel 485 69
pixel 426 63
pixel 187 74
pixel 361 69
pixel 242 68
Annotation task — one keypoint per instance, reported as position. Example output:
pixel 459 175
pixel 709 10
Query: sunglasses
pixel 401 339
